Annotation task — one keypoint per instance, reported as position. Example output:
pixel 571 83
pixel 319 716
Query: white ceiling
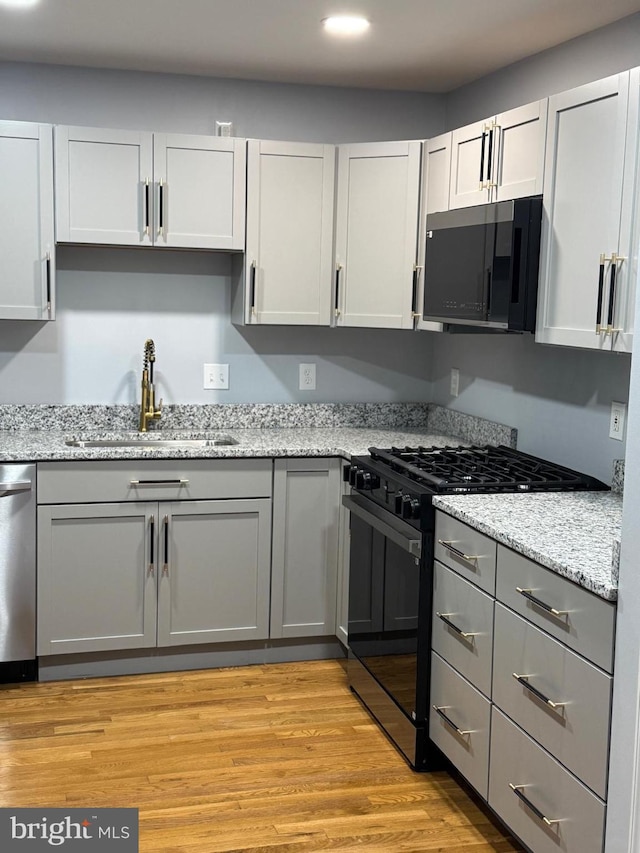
pixel 421 45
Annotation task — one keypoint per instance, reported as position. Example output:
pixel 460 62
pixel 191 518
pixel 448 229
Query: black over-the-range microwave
pixel 481 265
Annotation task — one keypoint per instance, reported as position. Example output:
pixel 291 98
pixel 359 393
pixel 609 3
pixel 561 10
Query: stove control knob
pixel 369 481
pixel 397 503
pixel 353 472
pixel 410 507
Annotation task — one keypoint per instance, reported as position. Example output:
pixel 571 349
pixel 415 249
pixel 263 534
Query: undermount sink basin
pixel 153 443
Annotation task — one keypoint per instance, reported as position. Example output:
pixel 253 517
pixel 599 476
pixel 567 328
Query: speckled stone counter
pixel 36 433
pixel 573 534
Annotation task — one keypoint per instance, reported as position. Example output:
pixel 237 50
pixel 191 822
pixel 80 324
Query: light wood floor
pixel 264 758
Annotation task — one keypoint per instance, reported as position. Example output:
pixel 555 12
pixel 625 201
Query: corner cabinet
pixel 158 554
pixel 589 255
pixel 499 158
pixel 27 271
pixel 376 225
pixel 285 276
pixel 305 547
pixel 131 188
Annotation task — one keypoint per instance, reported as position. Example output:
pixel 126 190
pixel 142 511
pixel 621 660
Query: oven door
pixel 389 603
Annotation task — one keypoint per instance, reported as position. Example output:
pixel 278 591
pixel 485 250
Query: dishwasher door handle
pixel 18 486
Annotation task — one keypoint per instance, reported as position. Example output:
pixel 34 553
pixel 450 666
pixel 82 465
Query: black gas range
pixel 391 568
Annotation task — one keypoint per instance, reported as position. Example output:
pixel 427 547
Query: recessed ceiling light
pixel 19 4
pixel 346 25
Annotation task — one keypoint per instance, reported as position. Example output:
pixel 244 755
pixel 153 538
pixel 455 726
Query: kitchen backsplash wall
pixel 111 300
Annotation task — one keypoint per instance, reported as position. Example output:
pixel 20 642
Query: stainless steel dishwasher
pixel 17 572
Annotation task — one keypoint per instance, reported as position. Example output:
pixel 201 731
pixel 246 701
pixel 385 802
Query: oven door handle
pixel 393 529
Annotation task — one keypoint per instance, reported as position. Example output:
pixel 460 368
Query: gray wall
pixel 605 51
pixel 110 301
pixel 558 398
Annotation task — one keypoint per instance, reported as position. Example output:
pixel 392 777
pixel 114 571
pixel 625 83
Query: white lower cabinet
pixel 540 801
pixel 528 660
pixel 305 547
pixel 459 723
pixel 136 574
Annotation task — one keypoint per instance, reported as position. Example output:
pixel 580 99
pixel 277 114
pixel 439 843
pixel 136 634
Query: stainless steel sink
pixel 153 443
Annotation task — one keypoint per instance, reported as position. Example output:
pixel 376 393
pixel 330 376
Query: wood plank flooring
pixel 270 759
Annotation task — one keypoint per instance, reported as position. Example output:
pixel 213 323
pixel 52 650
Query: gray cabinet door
pixel 96 577
pixel 103 186
pixel 305 547
pixel 213 571
pixel 26 221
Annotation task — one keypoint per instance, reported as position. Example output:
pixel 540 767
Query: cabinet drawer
pixel 550 789
pixel 466 551
pixel 170 479
pixel 459 609
pixel 576 732
pixel 583 621
pixel 465 738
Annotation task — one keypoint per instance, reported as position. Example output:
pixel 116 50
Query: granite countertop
pixel 575 534
pixel 47 445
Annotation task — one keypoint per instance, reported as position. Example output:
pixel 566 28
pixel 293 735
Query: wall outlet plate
pixel 307 378
pixel 216 376
pixel 617 420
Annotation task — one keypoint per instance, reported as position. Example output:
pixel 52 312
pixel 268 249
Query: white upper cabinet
pixel 125 187
pixel 499 158
pixel 27 267
pixel 434 197
pixel 376 227
pixel 288 273
pixel 588 263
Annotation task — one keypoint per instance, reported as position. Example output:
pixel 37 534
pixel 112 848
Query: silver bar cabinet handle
pixel 518 792
pixel 252 289
pixel 444 617
pixel 470 558
pixel 158 482
pixel 336 304
pixel 48 274
pixel 528 594
pixel 160 207
pixel 522 679
pixel 146 207
pixel 440 712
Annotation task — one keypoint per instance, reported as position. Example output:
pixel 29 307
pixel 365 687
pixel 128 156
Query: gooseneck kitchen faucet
pixel 148 409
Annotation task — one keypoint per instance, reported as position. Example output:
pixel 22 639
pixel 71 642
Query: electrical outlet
pixel 216 376
pixel 617 421
pixel 455 382
pixel 307 379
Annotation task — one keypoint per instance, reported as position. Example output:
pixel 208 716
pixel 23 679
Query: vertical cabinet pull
pixel 152 544
pixel 48 281
pixel 414 292
pixel 612 293
pixel 146 207
pixel 482 148
pixel 165 563
pixel 600 295
pixel 252 289
pixel 160 207
pixel 336 309
pixel 490 156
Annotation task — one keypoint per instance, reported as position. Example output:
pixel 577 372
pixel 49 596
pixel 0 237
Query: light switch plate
pixel 216 376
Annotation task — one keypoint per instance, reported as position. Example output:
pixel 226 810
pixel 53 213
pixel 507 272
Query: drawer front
pixel 548 787
pixel 170 479
pixel 577 731
pixel 466 551
pixel 465 738
pixel 585 622
pixel 463 626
